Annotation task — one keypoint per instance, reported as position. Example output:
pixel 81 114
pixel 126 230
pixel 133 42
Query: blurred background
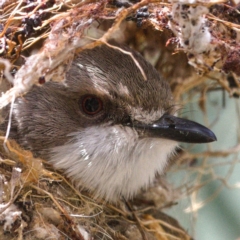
pixel 213 211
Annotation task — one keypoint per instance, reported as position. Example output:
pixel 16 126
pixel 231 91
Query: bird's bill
pixel 177 129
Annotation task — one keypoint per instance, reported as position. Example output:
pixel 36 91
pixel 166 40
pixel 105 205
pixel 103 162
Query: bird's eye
pixel 91 104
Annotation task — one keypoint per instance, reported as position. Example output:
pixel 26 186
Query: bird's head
pixel 108 128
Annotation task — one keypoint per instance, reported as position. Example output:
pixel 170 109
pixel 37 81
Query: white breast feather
pixel 112 161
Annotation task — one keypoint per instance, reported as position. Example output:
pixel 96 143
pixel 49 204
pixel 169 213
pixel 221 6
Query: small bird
pixel 109 129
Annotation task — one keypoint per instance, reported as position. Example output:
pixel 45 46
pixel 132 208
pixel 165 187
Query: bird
pixel 109 128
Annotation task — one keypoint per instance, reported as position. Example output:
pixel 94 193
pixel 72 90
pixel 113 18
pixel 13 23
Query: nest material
pixel 189 42
pixel 38 203
pixel 206 31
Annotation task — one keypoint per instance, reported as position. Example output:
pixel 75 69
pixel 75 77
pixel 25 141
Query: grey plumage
pixel 45 116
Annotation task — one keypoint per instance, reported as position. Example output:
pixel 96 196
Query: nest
pixel 195 46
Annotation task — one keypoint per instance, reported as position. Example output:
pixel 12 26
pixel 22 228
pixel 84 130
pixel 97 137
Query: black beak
pixel 177 129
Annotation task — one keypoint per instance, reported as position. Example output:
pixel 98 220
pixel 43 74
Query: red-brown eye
pixel 91 105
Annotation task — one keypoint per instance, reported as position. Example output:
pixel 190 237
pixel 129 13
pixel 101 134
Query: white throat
pixel 112 161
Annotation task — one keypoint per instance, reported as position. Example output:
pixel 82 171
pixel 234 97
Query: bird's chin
pixel 112 161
